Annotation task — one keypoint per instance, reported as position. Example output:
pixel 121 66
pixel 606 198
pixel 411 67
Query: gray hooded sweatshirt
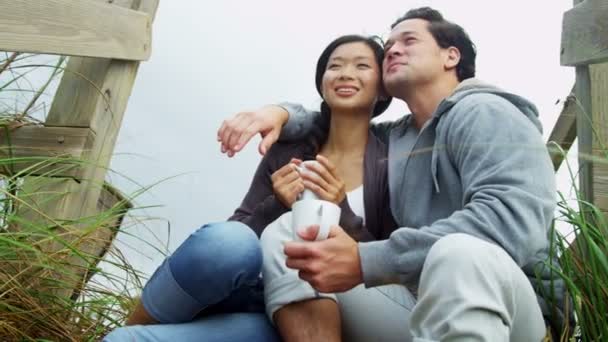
pixel 479 166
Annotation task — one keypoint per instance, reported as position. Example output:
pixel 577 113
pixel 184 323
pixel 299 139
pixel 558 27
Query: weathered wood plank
pixel 599 104
pixel 564 131
pixel 585 33
pixel 99 108
pixel 78 93
pixel 28 146
pixel 584 132
pixel 600 179
pixel 77 28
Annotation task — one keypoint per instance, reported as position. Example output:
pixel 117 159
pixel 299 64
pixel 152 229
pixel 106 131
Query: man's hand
pixel 236 132
pixel 331 265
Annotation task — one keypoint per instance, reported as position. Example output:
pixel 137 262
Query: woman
pixel 210 286
pixel 351 172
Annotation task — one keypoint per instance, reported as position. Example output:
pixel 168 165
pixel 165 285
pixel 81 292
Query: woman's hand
pixel 287 183
pixel 324 181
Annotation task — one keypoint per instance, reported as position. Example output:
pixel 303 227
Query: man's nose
pixel 393 52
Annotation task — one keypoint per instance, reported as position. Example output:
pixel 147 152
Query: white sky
pixel 212 59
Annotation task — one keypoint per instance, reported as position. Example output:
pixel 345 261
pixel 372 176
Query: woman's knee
pixel 123 334
pixel 218 247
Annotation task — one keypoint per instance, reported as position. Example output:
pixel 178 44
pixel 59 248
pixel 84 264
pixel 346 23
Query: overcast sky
pixel 212 59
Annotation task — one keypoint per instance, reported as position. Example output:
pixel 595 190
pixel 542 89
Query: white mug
pixel 307 193
pixel 309 212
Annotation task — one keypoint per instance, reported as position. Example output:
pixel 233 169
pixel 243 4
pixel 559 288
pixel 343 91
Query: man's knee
pixel 461 251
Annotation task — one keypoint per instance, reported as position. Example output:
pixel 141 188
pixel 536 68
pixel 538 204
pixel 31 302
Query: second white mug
pixel 309 212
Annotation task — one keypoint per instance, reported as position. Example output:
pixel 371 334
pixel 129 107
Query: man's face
pixel 412 57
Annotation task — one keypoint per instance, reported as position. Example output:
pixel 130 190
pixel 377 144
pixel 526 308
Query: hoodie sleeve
pixel 260 206
pixel 508 192
pixel 302 121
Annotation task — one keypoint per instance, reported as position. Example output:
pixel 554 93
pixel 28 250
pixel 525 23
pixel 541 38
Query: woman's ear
pixel 452 57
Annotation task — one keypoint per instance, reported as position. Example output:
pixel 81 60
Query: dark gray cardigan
pixel 260 207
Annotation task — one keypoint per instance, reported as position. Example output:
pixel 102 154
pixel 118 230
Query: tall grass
pixel 583 255
pixel 52 284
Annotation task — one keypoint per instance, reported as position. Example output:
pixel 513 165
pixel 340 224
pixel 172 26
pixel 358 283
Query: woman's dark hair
pixel 447 34
pixel 320 132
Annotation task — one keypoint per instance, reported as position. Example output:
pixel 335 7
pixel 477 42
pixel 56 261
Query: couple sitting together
pixel 445 214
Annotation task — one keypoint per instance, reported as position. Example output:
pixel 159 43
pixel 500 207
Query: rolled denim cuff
pixel 166 301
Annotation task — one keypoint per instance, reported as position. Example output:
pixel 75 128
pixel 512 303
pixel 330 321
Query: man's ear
pixel 452 58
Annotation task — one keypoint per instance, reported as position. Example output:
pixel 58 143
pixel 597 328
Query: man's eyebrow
pixel 400 35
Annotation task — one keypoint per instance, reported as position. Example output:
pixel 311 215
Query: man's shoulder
pixel 480 107
pixel 481 100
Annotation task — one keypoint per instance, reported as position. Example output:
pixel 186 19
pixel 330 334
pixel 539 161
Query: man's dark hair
pixel 447 34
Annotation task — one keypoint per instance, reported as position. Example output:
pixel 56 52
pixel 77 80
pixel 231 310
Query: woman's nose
pixel 346 73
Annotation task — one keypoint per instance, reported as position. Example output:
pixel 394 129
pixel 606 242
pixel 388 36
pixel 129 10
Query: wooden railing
pixel 585 112
pixel 106 40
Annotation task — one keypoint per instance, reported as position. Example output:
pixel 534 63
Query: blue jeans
pixel 209 289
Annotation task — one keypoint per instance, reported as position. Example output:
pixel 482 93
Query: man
pixel 471 186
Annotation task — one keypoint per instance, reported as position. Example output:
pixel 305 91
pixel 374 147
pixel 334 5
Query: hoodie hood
pixel 475 86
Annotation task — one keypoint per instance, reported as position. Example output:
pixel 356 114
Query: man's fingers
pixel 268 140
pixel 309 233
pixel 299 250
pixel 220 131
pixel 335 231
pixel 248 133
pixel 297 264
pixel 245 126
pixel 228 128
pixel 306 276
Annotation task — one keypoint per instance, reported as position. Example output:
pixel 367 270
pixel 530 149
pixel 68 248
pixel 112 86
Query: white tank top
pixel 355 200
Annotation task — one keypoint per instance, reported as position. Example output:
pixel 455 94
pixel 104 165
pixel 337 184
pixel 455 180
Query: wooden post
pixel 585 41
pixel 93 95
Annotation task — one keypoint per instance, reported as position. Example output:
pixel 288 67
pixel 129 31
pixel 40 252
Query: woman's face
pixel 352 78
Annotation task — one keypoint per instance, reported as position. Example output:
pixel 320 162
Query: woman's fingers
pixel 319 170
pixel 331 168
pixel 287 183
pixel 314 177
pixel 323 181
pixel 283 172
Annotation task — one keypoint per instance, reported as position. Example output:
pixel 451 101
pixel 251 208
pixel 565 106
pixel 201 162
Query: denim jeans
pixel 209 289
